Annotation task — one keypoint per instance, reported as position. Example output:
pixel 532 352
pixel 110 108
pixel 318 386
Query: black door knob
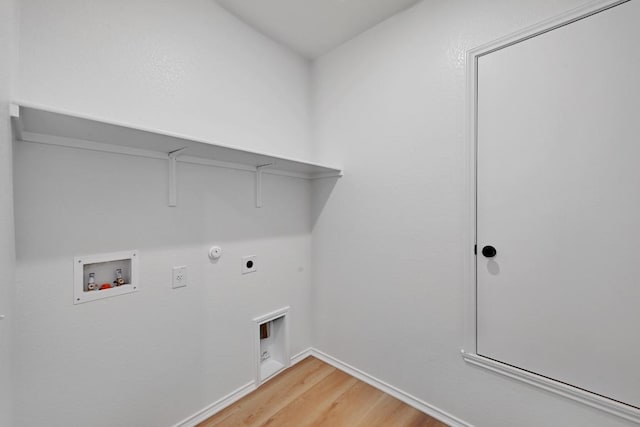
pixel 489 251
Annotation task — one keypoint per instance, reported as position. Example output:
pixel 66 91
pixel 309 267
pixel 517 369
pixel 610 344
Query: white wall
pixel 182 66
pixel 157 356
pixel 388 243
pixel 7 253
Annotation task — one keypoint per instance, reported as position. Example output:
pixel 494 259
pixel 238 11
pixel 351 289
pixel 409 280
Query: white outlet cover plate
pixel 179 277
pixel 249 264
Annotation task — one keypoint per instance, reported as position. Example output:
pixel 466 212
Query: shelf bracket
pixel 173 192
pixel 259 183
pixel 18 127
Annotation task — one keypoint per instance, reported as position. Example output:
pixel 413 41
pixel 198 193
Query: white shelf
pixel 55 127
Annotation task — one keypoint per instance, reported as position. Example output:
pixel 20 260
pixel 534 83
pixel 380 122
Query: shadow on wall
pixel 70 202
pixel 321 191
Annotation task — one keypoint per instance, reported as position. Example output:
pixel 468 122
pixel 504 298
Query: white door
pixel 558 197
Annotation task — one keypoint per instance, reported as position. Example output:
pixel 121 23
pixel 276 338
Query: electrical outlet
pixel 179 277
pixel 249 264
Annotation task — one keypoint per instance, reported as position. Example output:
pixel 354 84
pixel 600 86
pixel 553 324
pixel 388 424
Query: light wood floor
pixel 313 393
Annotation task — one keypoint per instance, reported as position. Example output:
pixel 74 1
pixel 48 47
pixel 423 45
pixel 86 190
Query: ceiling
pixel 313 27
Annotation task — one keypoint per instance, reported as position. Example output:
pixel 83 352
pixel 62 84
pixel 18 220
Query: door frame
pixel 469 349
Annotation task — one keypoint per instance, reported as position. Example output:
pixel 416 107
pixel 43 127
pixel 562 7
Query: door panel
pixel 558 195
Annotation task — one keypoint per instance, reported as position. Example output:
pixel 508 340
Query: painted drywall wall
pixel 154 357
pixel 183 66
pixel 7 254
pixel 389 106
pixel 388 242
pixel 157 356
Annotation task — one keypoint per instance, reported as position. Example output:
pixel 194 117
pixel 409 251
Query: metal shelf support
pixel 173 191
pixel 259 183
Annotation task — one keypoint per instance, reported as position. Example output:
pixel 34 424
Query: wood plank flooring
pixel 314 394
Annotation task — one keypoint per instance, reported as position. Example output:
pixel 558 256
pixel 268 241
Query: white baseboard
pixel 232 397
pixel 217 406
pixel 410 400
pixel 301 356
